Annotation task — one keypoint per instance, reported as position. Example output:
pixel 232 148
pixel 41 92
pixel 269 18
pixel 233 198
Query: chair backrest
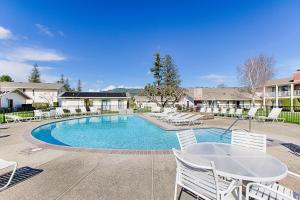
pixel 93 109
pixel 186 138
pixel 249 140
pixel 201 179
pixel 52 113
pixel 252 112
pixel 275 112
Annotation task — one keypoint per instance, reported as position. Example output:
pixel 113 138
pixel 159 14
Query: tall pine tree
pixel 79 88
pixel 35 76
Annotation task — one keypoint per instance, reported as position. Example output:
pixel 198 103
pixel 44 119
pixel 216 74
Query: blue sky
pixel 111 43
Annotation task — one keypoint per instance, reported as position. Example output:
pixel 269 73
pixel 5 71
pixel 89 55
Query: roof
pixel 283 81
pixel 21 85
pixel 93 95
pixel 14 91
pixel 145 98
pixel 226 93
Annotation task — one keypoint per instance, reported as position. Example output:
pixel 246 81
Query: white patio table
pixel 238 162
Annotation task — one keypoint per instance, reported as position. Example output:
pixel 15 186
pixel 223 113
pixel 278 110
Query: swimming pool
pixel 118 132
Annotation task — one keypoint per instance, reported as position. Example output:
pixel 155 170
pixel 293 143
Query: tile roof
pixel 93 95
pixel 20 85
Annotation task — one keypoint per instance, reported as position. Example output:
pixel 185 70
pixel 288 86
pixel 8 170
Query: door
pixel 10 103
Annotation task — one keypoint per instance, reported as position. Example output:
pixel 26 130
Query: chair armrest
pixel 269 189
pixel 294 175
pixel 234 183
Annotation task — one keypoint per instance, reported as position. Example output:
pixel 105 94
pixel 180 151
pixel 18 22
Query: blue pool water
pixel 118 132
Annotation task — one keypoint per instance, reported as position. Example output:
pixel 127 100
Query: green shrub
pixel 55 104
pixel 66 110
pixel 40 105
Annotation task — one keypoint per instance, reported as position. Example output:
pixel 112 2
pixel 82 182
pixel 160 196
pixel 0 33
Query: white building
pixel 37 92
pixel 13 99
pixel 227 97
pixel 103 100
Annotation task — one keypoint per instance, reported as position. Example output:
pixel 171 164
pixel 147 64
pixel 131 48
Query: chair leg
pixel 175 192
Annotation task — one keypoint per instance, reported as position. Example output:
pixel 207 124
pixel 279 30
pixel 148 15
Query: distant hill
pixel 131 91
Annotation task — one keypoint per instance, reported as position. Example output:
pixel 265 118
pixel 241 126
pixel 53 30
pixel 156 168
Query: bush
pixel 55 104
pixel 66 110
pixel 40 105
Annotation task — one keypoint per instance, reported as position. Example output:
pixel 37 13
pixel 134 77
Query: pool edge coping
pixel 30 138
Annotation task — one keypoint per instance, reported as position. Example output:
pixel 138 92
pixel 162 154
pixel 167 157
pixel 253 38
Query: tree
pixel 62 79
pixel 254 73
pixel 170 72
pixel 6 78
pixel 167 82
pixel 67 85
pixel 79 88
pixel 35 75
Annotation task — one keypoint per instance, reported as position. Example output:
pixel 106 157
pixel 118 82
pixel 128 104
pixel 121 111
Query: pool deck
pixel 76 174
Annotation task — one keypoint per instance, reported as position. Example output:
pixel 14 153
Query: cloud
pixel 5 33
pixel 20 71
pixel 111 87
pixel 35 54
pixel 44 30
pixel 60 33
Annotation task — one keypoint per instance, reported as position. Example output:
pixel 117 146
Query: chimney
pixel 296 77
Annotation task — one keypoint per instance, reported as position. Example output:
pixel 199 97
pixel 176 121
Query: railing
pixel 282 94
pixel 296 92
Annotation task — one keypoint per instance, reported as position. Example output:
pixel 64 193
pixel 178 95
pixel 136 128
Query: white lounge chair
pixel 249 140
pixel 202 180
pixel 16 118
pixel 216 110
pixel 162 114
pixel 178 117
pixel 252 112
pixel 270 191
pixel 239 113
pixel 273 115
pixel 202 110
pixel 189 121
pixel 84 111
pixel 73 111
pixel 208 110
pixel 231 112
pixel 223 111
pixel 173 116
pixel 8 164
pixel 186 138
pixel 94 110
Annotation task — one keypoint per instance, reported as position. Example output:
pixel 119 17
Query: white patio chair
pixel 273 115
pixel 249 140
pixel 16 118
pixel 231 112
pixel 186 138
pixel 223 111
pixel 252 112
pixel 8 164
pixel 203 180
pixel 273 191
pixel 38 114
pixel 189 121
